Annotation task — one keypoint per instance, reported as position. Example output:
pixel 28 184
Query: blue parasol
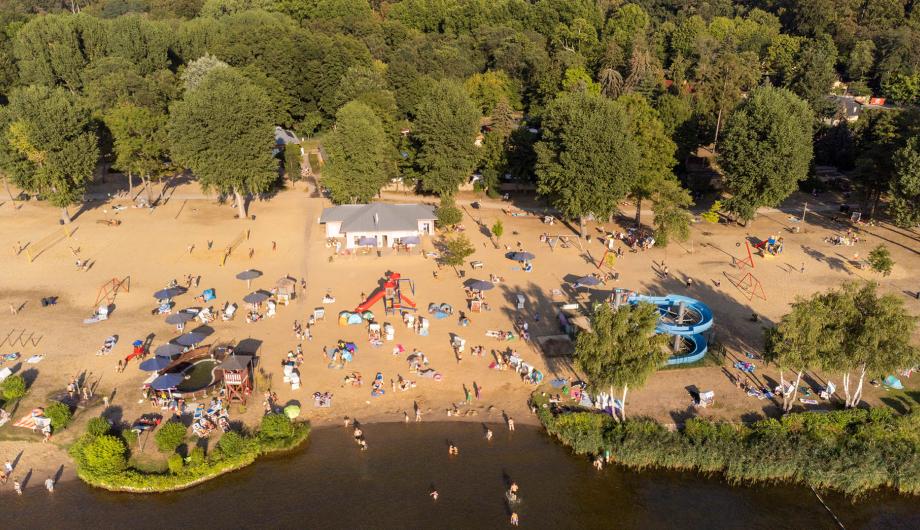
pixel 165 294
pixel 155 365
pixel 168 350
pixel 167 381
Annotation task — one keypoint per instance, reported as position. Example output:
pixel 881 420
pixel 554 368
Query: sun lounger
pixel 229 312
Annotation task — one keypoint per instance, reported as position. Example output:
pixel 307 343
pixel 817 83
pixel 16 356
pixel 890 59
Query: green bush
pixel 276 426
pixel 13 387
pixel 853 450
pixel 232 444
pixel 175 464
pixel 498 229
pixel 59 414
pixel 196 457
pixel 98 426
pixel 105 455
pixel 170 436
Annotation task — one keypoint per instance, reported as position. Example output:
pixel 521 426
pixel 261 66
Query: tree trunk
pixel 846 389
pixel 147 190
pixel 65 215
pixel 623 404
pixel 782 386
pixel 878 197
pixel 795 391
pixel 857 396
pixel 241 206
pixel 130 184
pixel 638 212
pixel 614 411
pixel 581 227
pixel 715 140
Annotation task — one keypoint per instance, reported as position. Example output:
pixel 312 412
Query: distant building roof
pixel 378 217
pixel 284 136
pixel 236 362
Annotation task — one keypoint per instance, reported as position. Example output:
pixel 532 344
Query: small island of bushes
pixel 102 456
pixel 852 451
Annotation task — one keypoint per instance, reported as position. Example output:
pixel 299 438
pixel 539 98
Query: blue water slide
pixel 667 305
pixel 697 312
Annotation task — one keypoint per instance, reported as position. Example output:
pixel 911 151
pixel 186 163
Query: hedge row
pixel 853 451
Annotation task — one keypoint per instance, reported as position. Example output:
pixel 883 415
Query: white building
pixel 378 224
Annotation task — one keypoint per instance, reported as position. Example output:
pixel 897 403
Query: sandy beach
pixel 171 241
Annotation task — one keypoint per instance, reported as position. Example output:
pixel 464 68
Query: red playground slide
pixel 371 300
pixel 406 302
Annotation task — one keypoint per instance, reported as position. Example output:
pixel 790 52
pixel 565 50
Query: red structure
pixel 751 287
pixel 236 373
pixel 749 260
pixel 392 294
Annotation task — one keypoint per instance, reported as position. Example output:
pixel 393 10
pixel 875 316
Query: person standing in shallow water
pixel 515 520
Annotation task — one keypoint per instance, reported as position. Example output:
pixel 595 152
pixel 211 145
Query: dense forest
pixel 591 100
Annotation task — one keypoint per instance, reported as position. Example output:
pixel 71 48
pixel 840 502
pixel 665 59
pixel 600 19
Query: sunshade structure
pixel 248 276
pixel 155 365
pixel 256 297
pixel 168 350
pixel 191 338
pixel 588 281
pixel 367 242
pixel 521 256
pixel 479 285
pixel 172 292
pixel 181 317
pixel 410 240
pixel 167 381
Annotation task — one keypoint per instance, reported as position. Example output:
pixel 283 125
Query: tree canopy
pixel 222 131
pixel 360 156
pixel 766 151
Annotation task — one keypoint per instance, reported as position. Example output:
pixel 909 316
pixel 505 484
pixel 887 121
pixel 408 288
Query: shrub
pixel 59 414
pixel 175 464
pixel 105 455
pixel 196 457
pixel 130 437
pixel 448 213
pixel 231 444
pixel 276 426
pixel 712 216
pixel 98 426
pixel 456 250
pixel 170 435
pixel 13 387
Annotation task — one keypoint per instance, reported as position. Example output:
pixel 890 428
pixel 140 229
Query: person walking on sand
pixel 489 435
pixel 418 413
pixel 49 485
pixel 17 487
pixel 510 423
pixel 8 468
pixel 477 389
pixel 802 269
pixel 515 520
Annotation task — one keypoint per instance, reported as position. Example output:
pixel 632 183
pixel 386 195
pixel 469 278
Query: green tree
pixel 360 156
pixel 672 217
pixel 498 229
pixel 904 190
pixel 292 160
pixel 105 455
pixel 98 426
pixel 722 79
pixel 456 249
pixel 447 213
pixel 861 60
pixel 798 342
pixel 622 348
pixel 232 444
pixel 195 71
pixel 767 150
pixel 51 129
pixel 13 387
pixel 656 149
pixel 880 260
pixel 141 143
pixel 578 79
pixel 585 157
pixel 490 88
pixel 816 73
pixel 445 128
pixel 872 335
pixel 223 132
pixel 170 436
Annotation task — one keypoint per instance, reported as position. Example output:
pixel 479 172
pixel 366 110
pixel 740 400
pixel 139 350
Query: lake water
pixel 331 484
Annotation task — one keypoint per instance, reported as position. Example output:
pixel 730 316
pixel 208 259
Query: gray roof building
pixel 384 224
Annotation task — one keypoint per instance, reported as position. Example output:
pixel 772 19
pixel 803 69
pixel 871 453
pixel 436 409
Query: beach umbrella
pixel 256 297
pixel 167 381
pixel 155 364
pixel 165 294
pixel 292 411
pixel 521 256
pixel 180 318
pixel 168 350
pixel 587 281
pixel 479 285
pixel 190 339
pixel 248 276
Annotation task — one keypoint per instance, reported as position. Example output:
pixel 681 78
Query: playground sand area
pixel 152 247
